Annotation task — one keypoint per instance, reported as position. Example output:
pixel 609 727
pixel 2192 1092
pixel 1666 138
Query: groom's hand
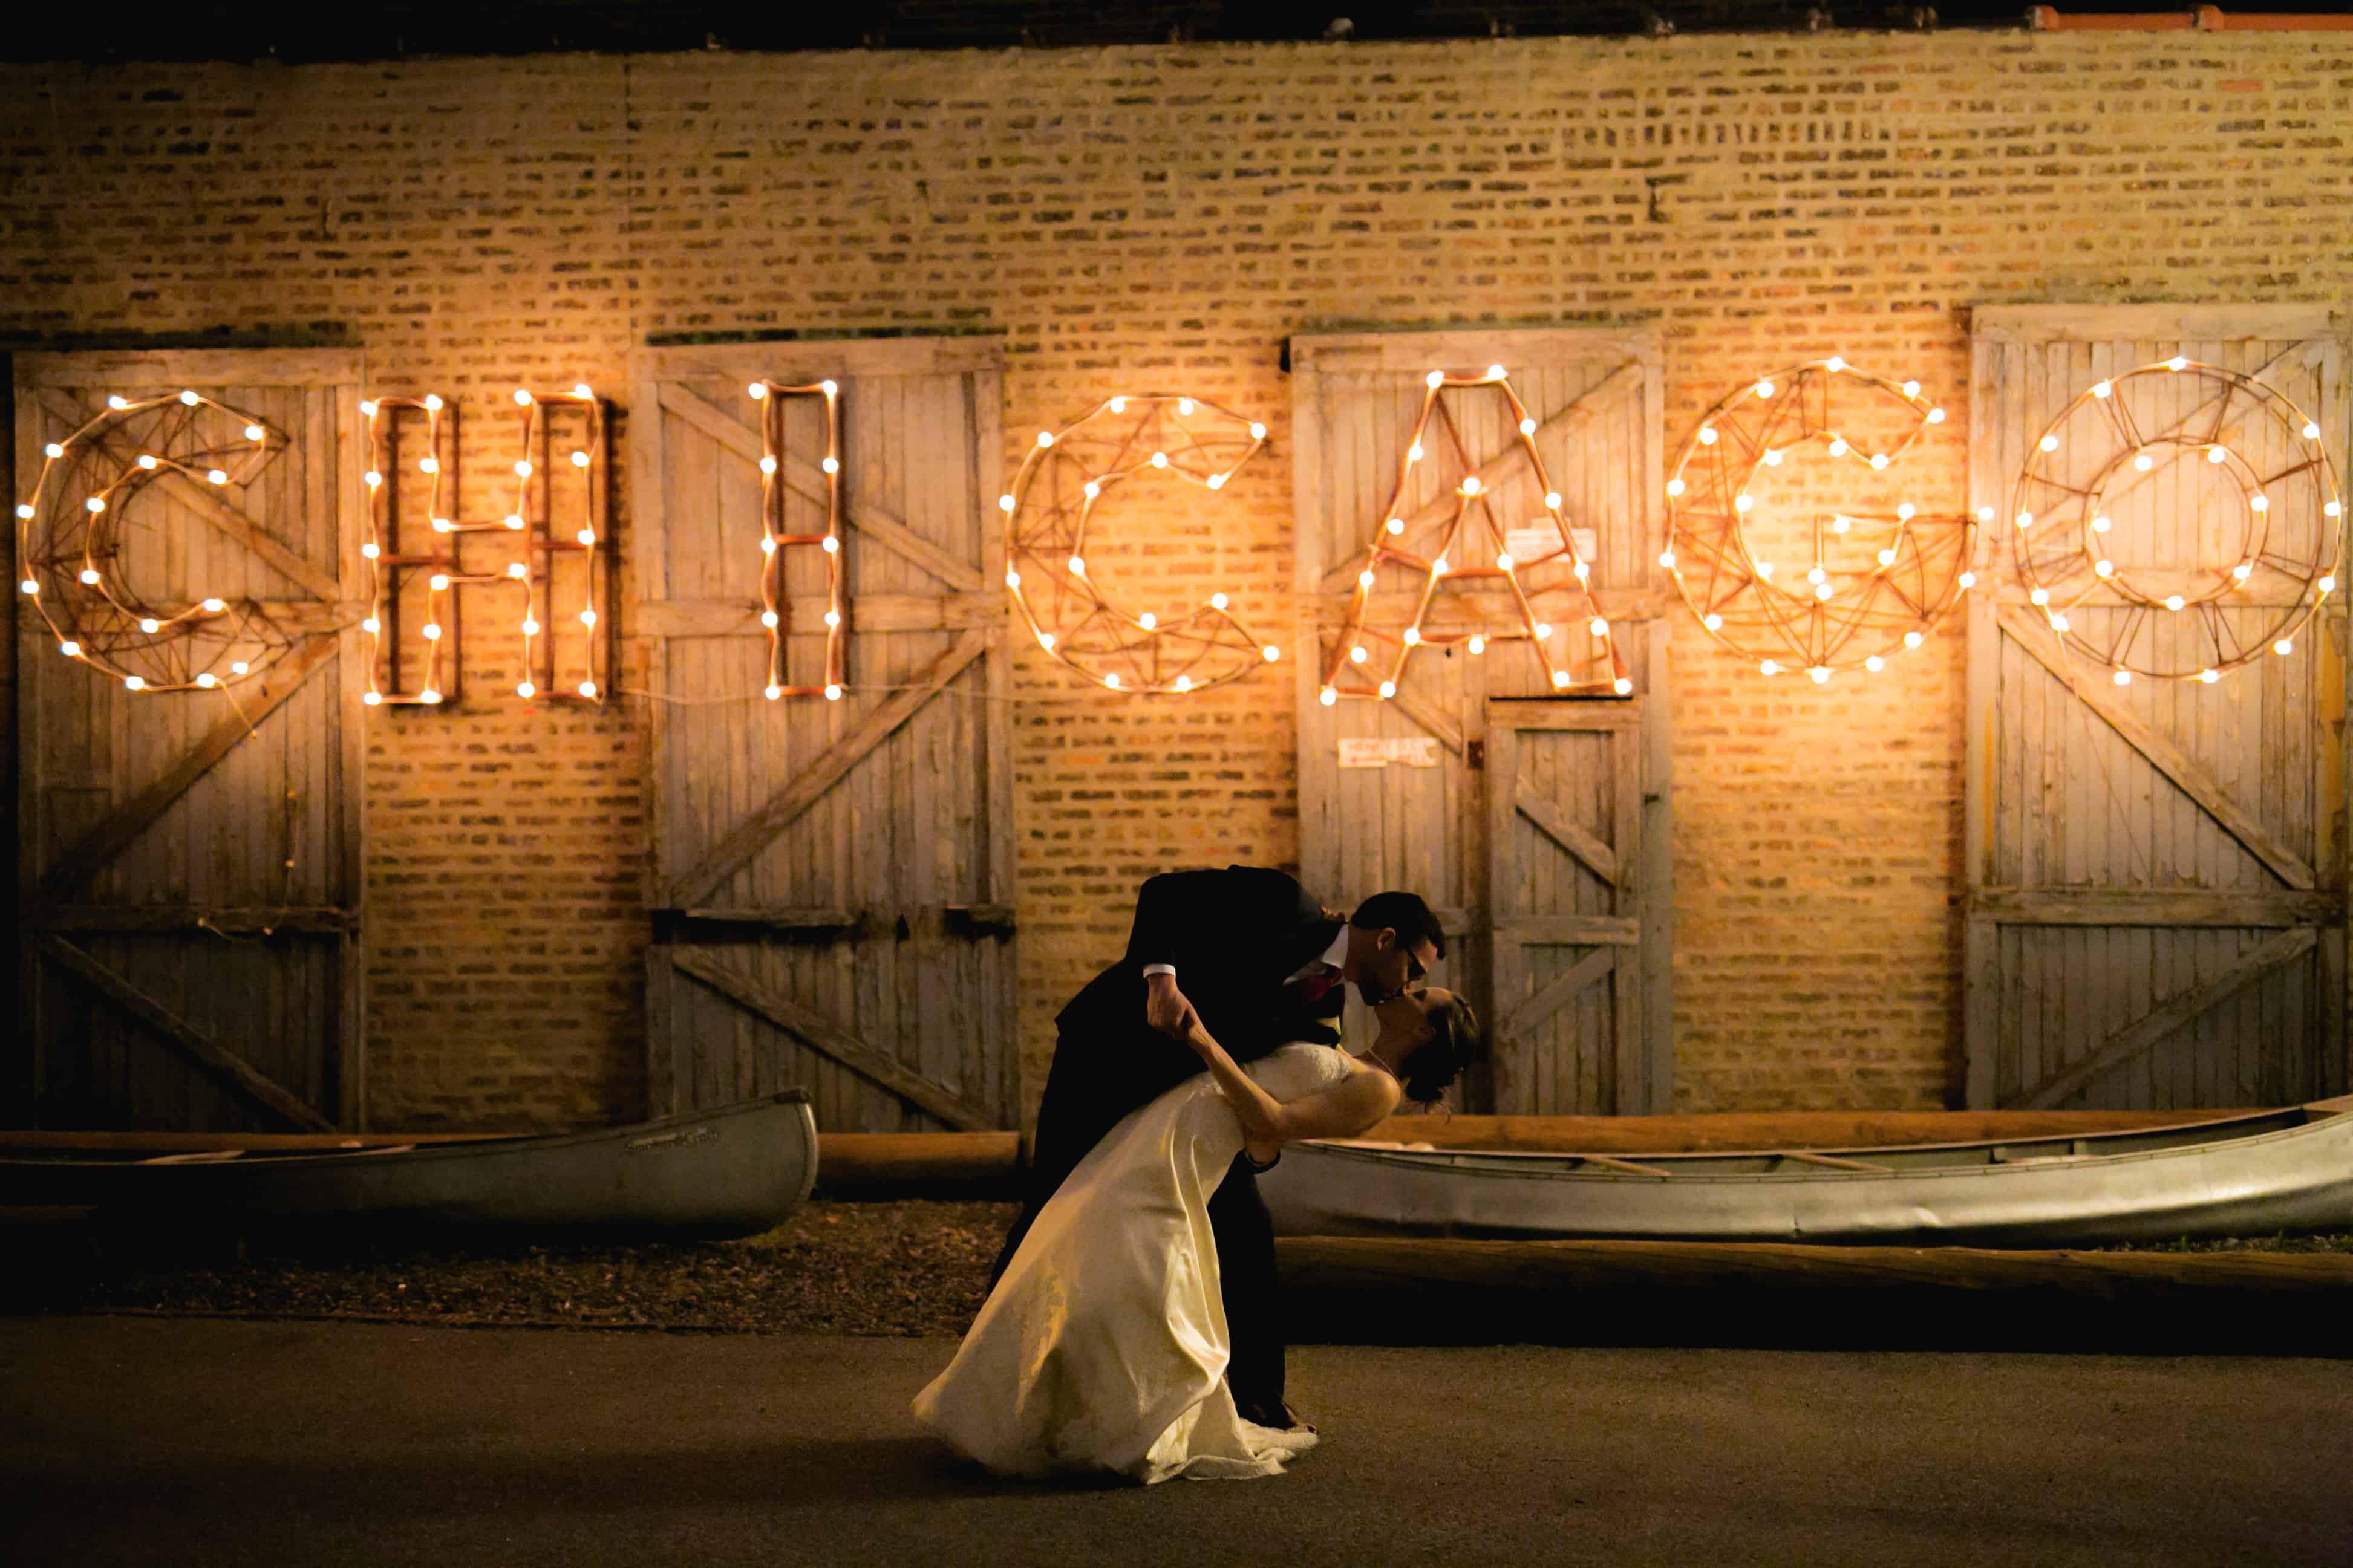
pixel 1165 1006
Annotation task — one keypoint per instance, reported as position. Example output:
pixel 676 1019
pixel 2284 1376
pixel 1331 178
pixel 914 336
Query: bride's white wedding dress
pixel 1104 1346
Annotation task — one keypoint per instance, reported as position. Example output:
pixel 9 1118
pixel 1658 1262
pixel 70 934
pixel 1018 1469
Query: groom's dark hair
pixel 1404 913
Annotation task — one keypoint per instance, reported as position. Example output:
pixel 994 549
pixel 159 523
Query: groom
pixel 1260 963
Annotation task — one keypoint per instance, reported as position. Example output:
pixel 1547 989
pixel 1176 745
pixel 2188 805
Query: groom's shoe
pixel 1282 1419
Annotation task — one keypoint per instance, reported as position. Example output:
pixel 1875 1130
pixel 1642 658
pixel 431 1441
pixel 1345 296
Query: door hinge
pixel 1474 755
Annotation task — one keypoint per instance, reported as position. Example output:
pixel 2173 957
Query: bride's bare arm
pixel 1346 1109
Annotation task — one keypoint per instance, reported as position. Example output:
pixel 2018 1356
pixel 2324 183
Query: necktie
pixel 1308 990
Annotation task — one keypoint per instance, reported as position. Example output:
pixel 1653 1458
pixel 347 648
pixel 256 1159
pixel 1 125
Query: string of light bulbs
pixel 75 539
pixel 777 486
pixel 532 516
pixel 1876 578
pixel 1460 539
pixel 1059 493
pixel 2167 621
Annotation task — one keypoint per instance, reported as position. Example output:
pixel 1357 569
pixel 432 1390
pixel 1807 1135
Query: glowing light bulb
pixel 1218 601
pixel 372 699
pixel 1622 686
pixel 1439 568
pixel 1772 457
pixel 517 570
pixel 2243 570
pixel 1560 678
pixel 832 618
pixel 530 626
pixel 2311 430
pixel 1112 680
pixel 134 683
pixel 767 464
pixel 1159 459
pixel 832 691
pixel 2176 362
pixel 1045 437
pixel 1184 405
pixel 832 464
pixel 30 585
pixel 1887 557
pixel 207 679
pixel 428 465
pixel 70 648
pixel 238 667
pixel 768 618
pixel 2102 522
pixel 1765 389
pixel 1840 522
pixel 1413 453
pixel 1839 447
pixel 1820 674
pixel 2049 442
pixel 439 581
pixel 525 688
pixel 2173 601
pixel 1147 620
pixel 2039 597
pixel 1046 641
pixel 24 510
pixel 1879 459
pixel 372 626
pixel 1764 569
pixel 2143 462
pixel 150 625
pixel 89 575
pixel 1271 653
pixel 1834 364
pixel 2209 676
pixel 96 503
pixel 829 544
pixel 1434 379
pixel 1357 654
pixel 1413 636
pixel 215 606
pixel 432 631
pixel 1768 667
pixel 1542 629
pixel 1667 558
pixel 1674 486
pixel 2060 624
pixel 1912 639
pixel 587 688
pixel 2258 503
pixel 2026 520
pixel 1528 427
pixel 522 397
pixel 757 390
pixel 1005 503
pixel 1582 571
pixel 1552 500
pixel 774 691
pixel 2327 585
pixel 587 617
pixel 585 536
pixel 1712 621
pixel 1215 481
pixel 1874 663
pixel 1389 689
pixel 2102 388
pixel 1478 644
pixel 1599 627
pixel 1397 525
pixel 514 519
pixel 1327 697
pixel 1503 561
pixel 1707 435
pixel 1743 503
pixel 190 399
pixel 53 450
pixel 2124 677
pixel 1119 406
pixel 2333 507
pixel 1495 372
pixel 1013 579
pixel 582 390
pixel 2216 454
pixel 2283 648
pixel 1078 566
pixel 1469 484
pixel 1985 514
pixel 767 544
pixel 1967 580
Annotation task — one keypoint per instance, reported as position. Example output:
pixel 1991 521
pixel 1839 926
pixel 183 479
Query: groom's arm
pixel 1177 912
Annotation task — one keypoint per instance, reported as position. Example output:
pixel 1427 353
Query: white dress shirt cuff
pixel 1152 969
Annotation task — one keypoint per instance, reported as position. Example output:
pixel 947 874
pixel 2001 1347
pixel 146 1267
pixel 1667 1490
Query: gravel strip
pixel 896 1268
pixel 903 1269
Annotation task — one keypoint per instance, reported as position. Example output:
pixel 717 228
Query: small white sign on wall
pixel 1379 752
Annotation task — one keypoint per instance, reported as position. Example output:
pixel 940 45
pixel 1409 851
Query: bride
pixel 1103 1346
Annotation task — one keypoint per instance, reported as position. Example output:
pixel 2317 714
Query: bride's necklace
pixel 1373 1055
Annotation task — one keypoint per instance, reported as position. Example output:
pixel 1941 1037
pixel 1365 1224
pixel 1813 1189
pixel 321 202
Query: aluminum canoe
pixel 2246 1176
pixel 731 1171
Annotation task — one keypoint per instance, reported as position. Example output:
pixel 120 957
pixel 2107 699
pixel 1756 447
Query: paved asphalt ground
pixel 188 1441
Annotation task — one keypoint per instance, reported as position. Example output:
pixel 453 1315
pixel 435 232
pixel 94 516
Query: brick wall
pixel 1166 218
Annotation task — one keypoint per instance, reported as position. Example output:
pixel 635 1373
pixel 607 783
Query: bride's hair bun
pixel 1455 1044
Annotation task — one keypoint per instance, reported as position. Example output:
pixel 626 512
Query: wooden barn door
pixel 2154 869
pixel 190 861
pixel 832 882
pixel 1537 827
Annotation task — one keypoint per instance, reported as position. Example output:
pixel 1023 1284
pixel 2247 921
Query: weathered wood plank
pixel 2168 759
pixel 223 1064
pixel 1556 993
pixel 1567 931
pixel 1598 857
pixel 2128 1043
pixel 2169 907
pixel 760 828
pixel 829 1039
pixel 2110 324
pixel 123 918
pixel 77 863
pixel 192 367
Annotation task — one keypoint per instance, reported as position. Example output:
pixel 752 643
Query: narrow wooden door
pixel 832 883
pixel 2155 867
pixel 1422 790
pixel 191 859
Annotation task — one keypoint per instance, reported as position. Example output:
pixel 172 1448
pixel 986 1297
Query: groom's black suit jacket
pixel 1234 936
